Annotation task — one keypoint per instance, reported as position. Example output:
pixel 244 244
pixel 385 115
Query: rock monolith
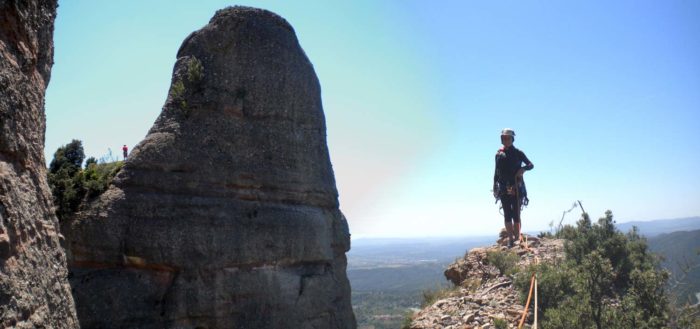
pixel 34 290
pixel 226 215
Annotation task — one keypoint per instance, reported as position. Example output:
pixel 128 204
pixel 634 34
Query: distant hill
pixel 656 227
pixel 388 275
pixel 390 252
pixel 679 248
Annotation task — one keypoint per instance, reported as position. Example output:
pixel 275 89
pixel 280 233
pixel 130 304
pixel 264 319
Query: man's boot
pixel 509 231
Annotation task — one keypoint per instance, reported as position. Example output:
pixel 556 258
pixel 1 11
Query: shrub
pixel 70 185
pixel 98 176
pixel 431 296
pixel 195 72
pixel 554 284
pixel 471 284
pixel 408 318
pixel 500 323
pixel 608 280
pixel 504 261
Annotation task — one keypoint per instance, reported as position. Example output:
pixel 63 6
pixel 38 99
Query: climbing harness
pixel 518 189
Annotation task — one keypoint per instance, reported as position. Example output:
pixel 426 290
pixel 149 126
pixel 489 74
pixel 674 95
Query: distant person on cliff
pixel 507 182
pixel 125 150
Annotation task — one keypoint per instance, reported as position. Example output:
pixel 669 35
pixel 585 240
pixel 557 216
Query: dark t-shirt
pixel 508 162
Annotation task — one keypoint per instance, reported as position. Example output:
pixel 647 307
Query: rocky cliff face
pixel 482 294
pixel 226 214
pixel 34 291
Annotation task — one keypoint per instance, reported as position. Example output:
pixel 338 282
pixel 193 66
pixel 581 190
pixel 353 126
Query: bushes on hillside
pixel 504 261
pixel 608 280
pixel 70 184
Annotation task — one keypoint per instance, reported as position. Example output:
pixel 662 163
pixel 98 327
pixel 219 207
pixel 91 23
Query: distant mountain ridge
pixel 680 249
pixel 390 252
pixel 660 226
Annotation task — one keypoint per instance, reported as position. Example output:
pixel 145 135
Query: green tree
pixel 89 161
pixel 593 284
pixel 69 157
pixel 65 178
pixel 608 280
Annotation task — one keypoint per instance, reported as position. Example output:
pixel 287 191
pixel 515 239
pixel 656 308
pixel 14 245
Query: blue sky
pixel 603 96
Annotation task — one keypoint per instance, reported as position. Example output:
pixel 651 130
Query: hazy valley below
pixel 388 276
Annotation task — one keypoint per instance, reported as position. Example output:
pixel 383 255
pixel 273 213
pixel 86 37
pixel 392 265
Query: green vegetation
pixel 681 254
pixel 430 296
pixel 65 179
pixel 503 260
pixel 195 71
pixel 385 296
pixel 178 94
pixel 408 318
pixel 384 309
pixel 178 89
pixel 608 280
pixel 70 184
pixel 97 177
pixel 382 295
pixel 500 323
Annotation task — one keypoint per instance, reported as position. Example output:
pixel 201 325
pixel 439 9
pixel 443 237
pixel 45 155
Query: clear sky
pixel 604 97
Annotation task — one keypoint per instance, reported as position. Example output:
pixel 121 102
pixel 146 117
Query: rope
pixel 533 283
pixel 534 324
pixel 527 304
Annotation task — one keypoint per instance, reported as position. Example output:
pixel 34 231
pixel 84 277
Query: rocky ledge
pixel 482 295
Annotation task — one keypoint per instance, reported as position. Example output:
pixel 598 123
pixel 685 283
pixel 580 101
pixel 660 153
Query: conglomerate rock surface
pixel 482 295
pixel 34 290
pixel 226 215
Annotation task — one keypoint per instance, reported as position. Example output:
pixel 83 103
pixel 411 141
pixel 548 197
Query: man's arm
pixel 495 178
pixel 528 164
pixel 495 172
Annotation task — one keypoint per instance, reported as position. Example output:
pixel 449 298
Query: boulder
pixel 226 215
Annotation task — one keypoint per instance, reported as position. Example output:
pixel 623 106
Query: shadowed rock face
pixel 34 291
pixel 226 214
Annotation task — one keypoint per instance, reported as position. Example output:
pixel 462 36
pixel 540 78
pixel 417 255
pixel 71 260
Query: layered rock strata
pixel 34 290
pixel 226 215
pixel 482 295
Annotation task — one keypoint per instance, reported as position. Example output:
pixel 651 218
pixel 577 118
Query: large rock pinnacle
pixel 226 214
pixel 34 290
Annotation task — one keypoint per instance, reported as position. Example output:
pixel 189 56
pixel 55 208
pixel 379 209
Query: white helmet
pixel 508 132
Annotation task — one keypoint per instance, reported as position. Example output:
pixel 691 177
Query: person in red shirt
pixel 126 151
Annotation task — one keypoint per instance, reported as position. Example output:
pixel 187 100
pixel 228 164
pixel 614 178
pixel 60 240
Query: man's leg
pixel 507 204
pixel 509 230
pixel 516 219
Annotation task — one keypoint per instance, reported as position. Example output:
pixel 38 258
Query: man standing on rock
pixel 125 150
pixel 507 182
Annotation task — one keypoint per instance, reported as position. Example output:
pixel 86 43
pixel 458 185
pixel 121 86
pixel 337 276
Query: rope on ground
pixel 534 324
pixel 533 283
pixel 527 304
